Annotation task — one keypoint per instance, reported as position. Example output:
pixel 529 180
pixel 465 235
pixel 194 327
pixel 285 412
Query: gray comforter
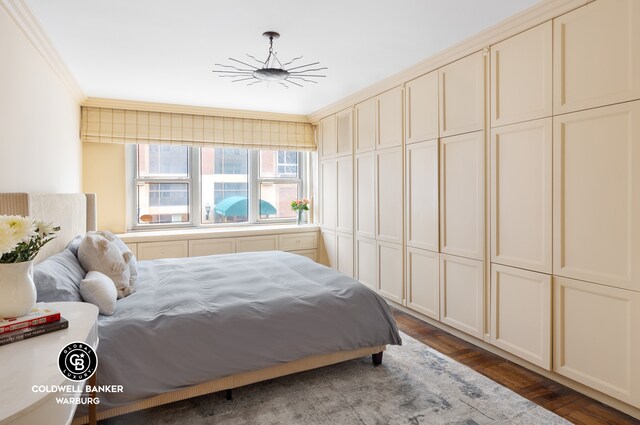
pixel 192 320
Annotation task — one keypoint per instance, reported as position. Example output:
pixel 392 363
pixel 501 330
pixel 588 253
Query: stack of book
pixel 40 321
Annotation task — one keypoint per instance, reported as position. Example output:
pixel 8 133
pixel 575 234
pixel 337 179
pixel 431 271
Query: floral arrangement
pixel 21 238
pixel 300 205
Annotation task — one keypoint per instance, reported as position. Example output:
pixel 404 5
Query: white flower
pixel 8 241
pixel 23 227
pixel 44 228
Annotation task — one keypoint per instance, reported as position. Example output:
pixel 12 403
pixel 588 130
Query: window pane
pixel 275 199
pixel 225 185
pixel 165 161
pixel 279 164
pixel 163 203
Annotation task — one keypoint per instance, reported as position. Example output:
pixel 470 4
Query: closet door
pixel 423 282
pixel 422 195
pixel 344 123
pixel 596 338
pixel 462 294
pixel 328 251
pixel 521 313
pixel 328 136
pixel 344 253
pixel 462 195
pixel 390 118
pixel 422 108
pixel 596 188
pixel 390 271
pixel 344 189
pixel 521 194
pixel 366 262
pixel 365 195
pixel 389 195
pixel 328 173
pixel 366 125
pixel 521 76
pixel 462 96
pixel 596 55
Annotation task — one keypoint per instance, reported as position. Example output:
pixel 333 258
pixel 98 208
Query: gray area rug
pixel 414 385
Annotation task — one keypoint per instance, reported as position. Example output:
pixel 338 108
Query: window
pixel 183 186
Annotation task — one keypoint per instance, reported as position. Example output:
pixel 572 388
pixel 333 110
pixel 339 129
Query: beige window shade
pixel 106 125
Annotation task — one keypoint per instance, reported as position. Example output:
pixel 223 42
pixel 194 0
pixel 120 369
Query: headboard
pixel 75 213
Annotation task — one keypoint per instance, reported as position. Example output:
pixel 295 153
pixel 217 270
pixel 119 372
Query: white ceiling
pixel 164 50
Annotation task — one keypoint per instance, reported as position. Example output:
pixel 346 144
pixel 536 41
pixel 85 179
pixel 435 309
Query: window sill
pixel 209 233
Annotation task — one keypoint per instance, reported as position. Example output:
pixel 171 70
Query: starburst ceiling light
pixel 271 69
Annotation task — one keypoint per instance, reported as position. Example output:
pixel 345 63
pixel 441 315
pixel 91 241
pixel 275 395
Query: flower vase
pixel 299 217
pixel 17 290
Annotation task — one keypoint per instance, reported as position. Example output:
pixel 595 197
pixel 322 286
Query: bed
pixel 255 316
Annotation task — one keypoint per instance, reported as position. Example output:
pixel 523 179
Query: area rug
pixel 414 385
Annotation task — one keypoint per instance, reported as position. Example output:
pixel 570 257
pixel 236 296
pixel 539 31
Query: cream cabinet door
pixel 521 195
pixel 422 108
pixel 462 195
pixel 390 271
pixel 329 188
pixel 200 247
pixel 365 195
pixel 328 139
pixel 328 248
pixel 596 55
pixel 344 189
pixel 257 243
pixel 344 253
pixel 521 76
pixel 344 122
pixel 366 262
pixel 389 211
pixel 596 178
pixel 596 337
pixel 521 313
pixel 423 282
pixel 390 119
pixel 156 250
pixel 462 294
pixel 462 96
pixel 366 125
pixel 422 195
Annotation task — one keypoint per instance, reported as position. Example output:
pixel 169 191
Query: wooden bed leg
pixel 93 414
pixel 377 358
pixel 229 395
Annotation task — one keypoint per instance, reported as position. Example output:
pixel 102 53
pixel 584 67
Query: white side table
pixel 35 362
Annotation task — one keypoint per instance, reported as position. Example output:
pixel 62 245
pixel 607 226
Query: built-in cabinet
pixel 462 294
pixel 421 183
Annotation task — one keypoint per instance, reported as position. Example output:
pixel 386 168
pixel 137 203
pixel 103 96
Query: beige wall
pixel 40 150
pixel 105 174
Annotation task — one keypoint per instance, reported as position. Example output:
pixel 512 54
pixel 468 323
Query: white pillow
pixel 98 289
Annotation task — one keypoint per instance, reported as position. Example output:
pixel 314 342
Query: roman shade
pixel 109 125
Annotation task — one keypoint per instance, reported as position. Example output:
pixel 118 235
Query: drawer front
pixel 202 247
pixel 133 247
pixel 155 250
pixel 257 243
pixel 309 253
pixel 298 241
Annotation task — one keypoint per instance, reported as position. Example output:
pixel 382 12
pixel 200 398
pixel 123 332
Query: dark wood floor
pixel 559 399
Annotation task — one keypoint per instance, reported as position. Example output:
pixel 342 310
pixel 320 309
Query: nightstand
pixel 34 362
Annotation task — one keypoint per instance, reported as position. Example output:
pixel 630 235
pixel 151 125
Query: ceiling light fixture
pixel 271 70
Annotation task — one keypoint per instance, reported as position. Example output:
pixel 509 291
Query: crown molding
pixel 535 15
pixel 21 14
pixel 188 109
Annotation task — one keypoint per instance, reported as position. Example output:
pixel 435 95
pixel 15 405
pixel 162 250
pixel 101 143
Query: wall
pixel 40 150
pixel 104 166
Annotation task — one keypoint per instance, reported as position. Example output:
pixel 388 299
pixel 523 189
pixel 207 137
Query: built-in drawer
pixel 257 243
pixel 133 247
pixel 200 247
pixel 155 250
pixel 309 253
pixel 298 241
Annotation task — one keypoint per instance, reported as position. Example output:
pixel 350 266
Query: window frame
pixel 194 181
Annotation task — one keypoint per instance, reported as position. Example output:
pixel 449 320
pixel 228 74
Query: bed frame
pixel 76 214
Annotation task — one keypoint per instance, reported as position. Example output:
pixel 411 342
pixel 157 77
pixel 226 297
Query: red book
pixel 38 316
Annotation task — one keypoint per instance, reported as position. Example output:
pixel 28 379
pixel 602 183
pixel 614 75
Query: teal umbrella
pixel 237 206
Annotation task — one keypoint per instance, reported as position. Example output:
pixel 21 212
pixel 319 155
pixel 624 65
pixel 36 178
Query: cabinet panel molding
pixel 367 262
pixel 344 253
pixel 328 136
pixel 521 195
pixel 390 118
pixel 298 241
pixel 200 247
pixel 329 188
pixel 257 243
pixel 366 125
pixel 344 190
pixel 344 123
pixel 521 313
pixel 328 248
pixel 168 249
pixel 422 108
pixel 365 195
pixel 423 282
pixel 422 209
pixel 596 338
pixel 389 208
pixel 521 76
pixel 390 271
pixel 596 178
